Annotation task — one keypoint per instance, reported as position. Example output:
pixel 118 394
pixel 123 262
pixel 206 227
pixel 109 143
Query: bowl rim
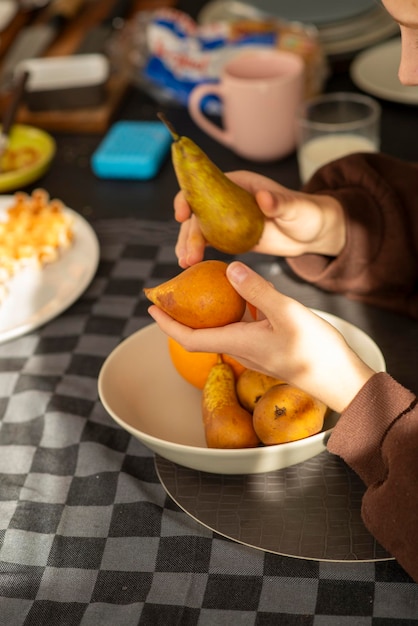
pixel 154 441
pixel 205 451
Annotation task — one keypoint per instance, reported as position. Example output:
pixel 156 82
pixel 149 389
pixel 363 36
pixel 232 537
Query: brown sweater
pixel 379 264
pixel 377 435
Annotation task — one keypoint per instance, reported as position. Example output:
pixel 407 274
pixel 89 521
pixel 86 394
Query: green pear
pixel 228 215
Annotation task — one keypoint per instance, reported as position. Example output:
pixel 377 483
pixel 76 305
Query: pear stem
pixel 169 125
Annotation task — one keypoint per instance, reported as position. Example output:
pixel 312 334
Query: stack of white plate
pixel 375 71
pixel 343 28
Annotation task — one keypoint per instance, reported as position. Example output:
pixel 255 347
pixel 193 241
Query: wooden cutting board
pixel 83 120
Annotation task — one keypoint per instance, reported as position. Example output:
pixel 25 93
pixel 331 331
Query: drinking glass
pixel 333 125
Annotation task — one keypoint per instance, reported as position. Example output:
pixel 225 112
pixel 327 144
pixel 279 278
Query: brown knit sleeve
pixel 377 435
pixel 379 263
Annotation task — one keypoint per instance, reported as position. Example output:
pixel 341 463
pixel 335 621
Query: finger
pixel 195 244
pixel 181 208
pixel 180 248
pixel 190 246
pixel 195 340
pixel 267 202
pixel 276 205
pixel 251 181
pixel 256 290
pixel 168 325
pixel 280 205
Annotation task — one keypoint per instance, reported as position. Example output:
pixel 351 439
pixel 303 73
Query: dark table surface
pixel 71 175
pixel 88 534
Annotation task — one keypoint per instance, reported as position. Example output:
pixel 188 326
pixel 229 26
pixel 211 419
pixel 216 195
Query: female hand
pixel 290 342
pixel 296 223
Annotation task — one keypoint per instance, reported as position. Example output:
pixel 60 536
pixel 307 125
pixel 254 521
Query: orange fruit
pixel 195 366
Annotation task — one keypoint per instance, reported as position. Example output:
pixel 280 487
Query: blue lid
pixel 132 150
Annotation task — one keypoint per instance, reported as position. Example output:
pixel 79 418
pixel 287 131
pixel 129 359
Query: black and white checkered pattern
pixel 88 535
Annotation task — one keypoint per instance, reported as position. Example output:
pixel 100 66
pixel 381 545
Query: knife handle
pixel 10 112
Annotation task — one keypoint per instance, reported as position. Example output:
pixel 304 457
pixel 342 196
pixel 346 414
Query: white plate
pixel 375 71
pixel 318 12
pixel 35 295
pixel 351 36
pixel 143 393
pixel 342 29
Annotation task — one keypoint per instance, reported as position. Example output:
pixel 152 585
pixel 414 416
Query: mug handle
pixel 194 106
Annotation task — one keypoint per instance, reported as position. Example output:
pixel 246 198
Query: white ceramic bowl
pixel 141 390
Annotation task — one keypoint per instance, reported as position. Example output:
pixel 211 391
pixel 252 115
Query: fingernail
pixel 237 272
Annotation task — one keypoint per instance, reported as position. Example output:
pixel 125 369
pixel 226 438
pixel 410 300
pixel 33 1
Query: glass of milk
pixel 333 125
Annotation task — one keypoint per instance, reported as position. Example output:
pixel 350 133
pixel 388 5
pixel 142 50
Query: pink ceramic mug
pixel 260 90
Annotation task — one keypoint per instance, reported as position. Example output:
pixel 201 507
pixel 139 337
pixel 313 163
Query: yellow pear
pixel 227 424
pixel 200 296
pixel 228 215
pixel 285 413
pixel 252 385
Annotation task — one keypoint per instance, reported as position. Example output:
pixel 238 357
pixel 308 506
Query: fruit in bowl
pixel 194 367
pixel 227 424
pixel 249 409
pixel 285 413
pixel 251 385
pixel 144 394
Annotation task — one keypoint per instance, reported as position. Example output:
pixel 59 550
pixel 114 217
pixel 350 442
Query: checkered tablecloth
pixel 87 533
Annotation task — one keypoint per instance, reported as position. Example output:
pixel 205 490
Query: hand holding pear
pixel 228 215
